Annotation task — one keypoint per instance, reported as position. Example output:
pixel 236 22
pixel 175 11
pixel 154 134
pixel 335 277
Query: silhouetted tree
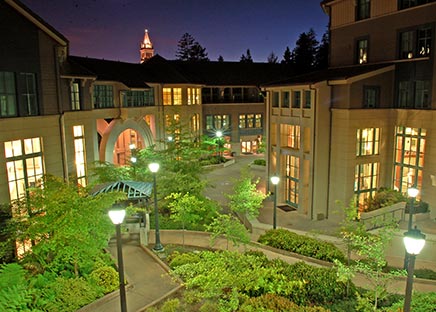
pixel 190 50
pixel 246 58
pixel 322 53
pixel 220 58
pixel 272 58
pixel 305 50
pixel 287 57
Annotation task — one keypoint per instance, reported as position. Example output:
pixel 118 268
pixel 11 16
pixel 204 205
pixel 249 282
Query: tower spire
pixel 146 50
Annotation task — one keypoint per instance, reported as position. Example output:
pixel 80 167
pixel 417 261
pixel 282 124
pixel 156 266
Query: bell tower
pixel 146 51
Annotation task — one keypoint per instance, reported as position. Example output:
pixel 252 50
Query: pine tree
pixel 190 50
pixel 272 58
pixel 246 58
pixel 305 50
pixel 220 58
pixel 287 57
pixel 322 53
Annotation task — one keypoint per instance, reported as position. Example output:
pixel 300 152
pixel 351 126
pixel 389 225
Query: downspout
pixel 58 56
pixel 330 150
pixel 313 150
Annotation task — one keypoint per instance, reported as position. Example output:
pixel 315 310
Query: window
pixel 296 99
pixel 363 9
pixel 167 99
pixel 405 94
pixel 75 95
pixel 290 135
pixel 28 94
pixel 217 122
pixel 275 99
pixel 292 180
pixel 365 183
pixel 409 158
pixel 138 98
pixel 371 96
pixel 250 121
pixel 414 94
pixel 404 4
pixel 24 165
pixel 422 93
pixel 172 96
pixel 368 142
pixel 362 51
pixel 79 154
pixel 8 96
pixel 424 41
pixel 415 43
pixel 177 96
pixel 285 99
pixel 258 120
pixel 103 96
pixel 193 96
pixel 307 99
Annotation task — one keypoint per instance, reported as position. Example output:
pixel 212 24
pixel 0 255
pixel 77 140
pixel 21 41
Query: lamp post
pixel 412 193
pixel 117 217
pixel 275 180
pixel 414 241
pixel 154 167
pixel 219 134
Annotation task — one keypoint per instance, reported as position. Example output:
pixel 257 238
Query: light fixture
pixel 275 180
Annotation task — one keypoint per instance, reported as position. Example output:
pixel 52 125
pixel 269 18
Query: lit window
pixel 258 121
pixel 24 165
pixel 368 141
pixel 409 158
pixel 79 154
pixel 193 96
pixel 362 51
pixel 167 98
pixel 366 183
pixel 292 180
pixel 177 96
pixel 8 96
pixel 290 135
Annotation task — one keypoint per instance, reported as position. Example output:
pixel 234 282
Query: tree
pixel 272 58
pixel 68 228
pixel 322 52
pixel 246 58
pixel 229 227
pixel 220 58
pixel 287 57
pixel 305 50
pixel 190 50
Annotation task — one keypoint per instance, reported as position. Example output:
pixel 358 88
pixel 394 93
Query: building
pixel 60 113
pixel 366 122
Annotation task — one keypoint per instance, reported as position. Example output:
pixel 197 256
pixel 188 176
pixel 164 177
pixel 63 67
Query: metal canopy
pixel 133 189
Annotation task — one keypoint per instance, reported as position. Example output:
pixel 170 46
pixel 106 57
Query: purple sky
pixel 113 29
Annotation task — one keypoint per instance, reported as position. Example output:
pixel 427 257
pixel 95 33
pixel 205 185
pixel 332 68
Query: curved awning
pixel 133 189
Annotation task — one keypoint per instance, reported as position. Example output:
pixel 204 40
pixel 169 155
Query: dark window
pixel 407 44
pixel 405 94
pixel 422 94
pixel 363 9
pixel 103 96
pixel 414 94
pixel 75 95
pixel 29 100
pixel 275 99
pixel 424 41
pixel 371 96
pixel 296 100
pixel 285 99
pixel 405 4
pixel 307 99
pixel 8 96
pixel 138 98
pixel 415 43
pixel 362 51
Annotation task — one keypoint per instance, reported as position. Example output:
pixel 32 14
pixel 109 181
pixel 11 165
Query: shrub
pixel 171 305
pixel 421 302
pixel 106 277
pixel 272 302
pixel 425 273
pixel 178 259
pixel 14 292
pixel 259 162
pixel 420 207
pixel 384 197
pixel 301 244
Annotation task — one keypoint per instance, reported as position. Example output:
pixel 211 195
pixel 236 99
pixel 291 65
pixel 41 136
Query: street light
pixel 154 167
pixel 414 241
pixel 275 180
pixel 117 217
pixel 219 135
pixel 412 193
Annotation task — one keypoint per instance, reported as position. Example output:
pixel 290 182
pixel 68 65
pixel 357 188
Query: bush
pixel 384 197
pixel 177 259
pixel 259 162
pixel 420 207
pixel 421 302
pixel 425 273
pixel 171 305
pixel 272 302
pixel 106 277
pixel 301 244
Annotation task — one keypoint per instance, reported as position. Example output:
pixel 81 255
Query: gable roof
pixel 37 21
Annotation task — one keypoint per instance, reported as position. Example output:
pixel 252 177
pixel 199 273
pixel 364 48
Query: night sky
pixel 113 29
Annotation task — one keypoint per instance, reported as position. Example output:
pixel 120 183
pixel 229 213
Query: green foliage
pixel 106 277
pixel 229 227
pixel 67 294
pixel 421 302
pixel 171 305
pixel 259 162
pixel 384 197
pixel 301 244
pixel 14 292
pixel 246 199
pixel 273 303
pixel 230 278
pixel 177 259
pixel 425 273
